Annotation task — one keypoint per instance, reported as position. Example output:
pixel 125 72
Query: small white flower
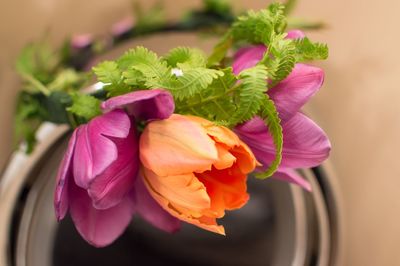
pixel 177 72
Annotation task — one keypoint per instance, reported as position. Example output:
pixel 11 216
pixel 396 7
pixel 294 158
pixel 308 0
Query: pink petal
pixel 305 144
pixel 151 211
pixel 295 34
pixel 99 227
pixel 95 150
pixel 61 199
pixel 297 89
pixel 144 105
pixel 247 57
pixel 291 176
pixel 110 187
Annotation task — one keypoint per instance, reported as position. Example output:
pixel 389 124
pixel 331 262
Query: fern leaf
pixel 251 94
pixel 272 120
pixel 307 50
pixel 192 81
pixel 184 57
pixel 108 72
pixel 155 72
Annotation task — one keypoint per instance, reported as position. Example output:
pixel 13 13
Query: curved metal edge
pixel 13 180
pixel 330 187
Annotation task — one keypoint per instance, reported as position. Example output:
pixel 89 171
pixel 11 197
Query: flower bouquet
pixel 174 138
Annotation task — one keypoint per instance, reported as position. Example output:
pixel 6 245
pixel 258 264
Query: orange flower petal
pixel 176 146
pixel 246 160
pixel 227 189
pixel 225 158
pixel 184 192
pixel 207 223
pixel 223 135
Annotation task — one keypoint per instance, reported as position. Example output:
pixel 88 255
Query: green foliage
pixel 108 72
pixel 84 106
pixel 215 103
pixel 154 72
pixel 221 49
pixel 185 57
pixel 250 94
pixel 271 118
pixel 193 81
pixel 307 50
pixel 217 6
pixel 38 61
pixel 28 117
pixel 261 26
pixel 280 59
pixel 67 79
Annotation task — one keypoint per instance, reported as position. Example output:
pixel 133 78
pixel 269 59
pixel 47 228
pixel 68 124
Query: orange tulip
pixel 194 169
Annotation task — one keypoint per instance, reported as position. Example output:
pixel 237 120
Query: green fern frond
pixel 185 56
pixel 272 120
pixel 192 82
pixel 108 72
pixel 280 59
pixel 250 94
pixel 155 72
pixel 306 50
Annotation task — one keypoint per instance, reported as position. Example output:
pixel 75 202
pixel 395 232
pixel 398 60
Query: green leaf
pixel 154 71
pixel 193 81
pixel 307 50
pixel 251 94
pixel 221 49
pixel 184 57
pixel 108 72
pixel 28 117
pixel 215 103
pixel 84 106
pixel 221 7
pixel 272 120
pixel 261 26
pixel 55 105
pixel 67 79
pixel 37 60
pixel 280 59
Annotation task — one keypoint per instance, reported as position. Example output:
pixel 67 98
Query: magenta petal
pixel 305 143
pixel 294 91
pixel 247 57
pixel 95 150
pixel 151 211
pixel 290 175
pixel 143 105
pixel 295 34
pixel 64 176
pixel 109 188
pixel 99 227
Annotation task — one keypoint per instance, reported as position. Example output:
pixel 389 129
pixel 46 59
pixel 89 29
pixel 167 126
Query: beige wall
pixel 358 105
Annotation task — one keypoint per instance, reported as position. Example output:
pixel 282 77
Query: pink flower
pixel 305 144
pixel 97 180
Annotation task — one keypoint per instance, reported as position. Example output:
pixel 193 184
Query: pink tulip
pixel 305 144
pixel 97 180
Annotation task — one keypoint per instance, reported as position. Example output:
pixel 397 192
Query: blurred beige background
pixel 358 106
